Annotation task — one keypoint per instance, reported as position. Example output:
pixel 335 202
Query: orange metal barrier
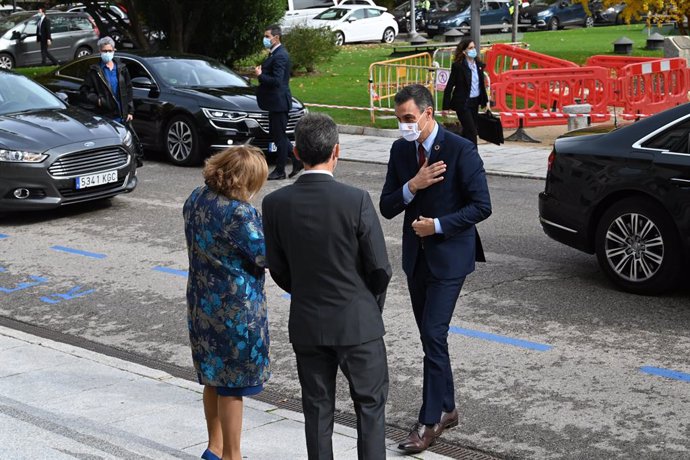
pixel 502 58
pixel 650 87
pixel 549 90
pixel 388 77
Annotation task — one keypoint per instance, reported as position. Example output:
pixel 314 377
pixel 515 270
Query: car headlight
pixel 128 140
pixel 21 156
pixel 228 115
pixel 544 13
pixel 610 10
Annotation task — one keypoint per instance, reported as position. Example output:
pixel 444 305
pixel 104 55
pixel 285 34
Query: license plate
pixel 95 180
pixel 525 21
pixel 431 26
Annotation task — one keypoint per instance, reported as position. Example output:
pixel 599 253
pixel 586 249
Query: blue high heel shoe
pixel 208 455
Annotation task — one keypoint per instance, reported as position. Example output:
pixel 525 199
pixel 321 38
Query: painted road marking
pixel 3 269
pixel 500 339
pixel 36 281
pixel 2 235
pixel 668 373
pixel 171 271
pixel 78 252
pixel 69 295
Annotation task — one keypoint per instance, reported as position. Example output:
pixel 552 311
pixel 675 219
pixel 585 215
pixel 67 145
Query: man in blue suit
pixel 273 94
pixel 437 178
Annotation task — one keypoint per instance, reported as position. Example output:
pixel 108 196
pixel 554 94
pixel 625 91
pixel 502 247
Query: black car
pixel 607 15
pixel 555 14
pixel 625 196
pixel 184 105
pixel 52 154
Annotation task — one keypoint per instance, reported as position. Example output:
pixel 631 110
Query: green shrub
pixel 310 47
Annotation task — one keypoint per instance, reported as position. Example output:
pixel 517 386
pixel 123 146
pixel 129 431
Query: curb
pixel 368 131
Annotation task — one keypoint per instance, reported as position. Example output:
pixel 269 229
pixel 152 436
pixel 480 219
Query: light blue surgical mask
pixel 267 43
pixel 472 53
pixel 107 56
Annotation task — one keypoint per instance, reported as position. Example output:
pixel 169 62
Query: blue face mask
pixel 107 56
pixel 267 42
pixel 472 53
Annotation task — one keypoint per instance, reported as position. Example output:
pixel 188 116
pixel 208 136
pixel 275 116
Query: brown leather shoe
pixel 421 438
pixel 449 419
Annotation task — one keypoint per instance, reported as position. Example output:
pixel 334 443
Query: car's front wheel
pixel 553 24
pixel 589 21
pixel 388 35
pixel 82 51
pixel 638 247
pixel 506 27
pixel 182 141
pixel 339 38
pixel 6 61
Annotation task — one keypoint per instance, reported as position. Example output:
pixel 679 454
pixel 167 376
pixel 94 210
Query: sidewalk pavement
pixel 510 159
pixel 58 401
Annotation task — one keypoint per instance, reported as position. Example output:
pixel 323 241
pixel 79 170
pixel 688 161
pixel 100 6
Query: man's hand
pixel 257 70
pixel 50 42
pixel 424 226
pixel 129 117
pixel 427 175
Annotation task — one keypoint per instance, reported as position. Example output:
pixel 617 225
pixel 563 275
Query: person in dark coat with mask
pixel 466 88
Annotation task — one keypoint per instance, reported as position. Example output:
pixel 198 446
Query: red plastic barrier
pixel 549 90
pixel 503 58
pixel 615 65
pixel 651 87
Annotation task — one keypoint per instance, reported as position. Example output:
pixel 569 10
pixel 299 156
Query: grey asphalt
pixel 60 401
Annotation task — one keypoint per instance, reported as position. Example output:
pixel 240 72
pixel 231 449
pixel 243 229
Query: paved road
pixel 547 356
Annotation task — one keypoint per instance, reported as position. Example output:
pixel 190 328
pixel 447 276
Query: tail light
pixel 549 162
pixel 95 27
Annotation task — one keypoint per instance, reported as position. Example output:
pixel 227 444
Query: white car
pixel 298 12
pixel 358 23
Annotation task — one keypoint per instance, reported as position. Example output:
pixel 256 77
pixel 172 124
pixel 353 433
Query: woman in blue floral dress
pixel 227 317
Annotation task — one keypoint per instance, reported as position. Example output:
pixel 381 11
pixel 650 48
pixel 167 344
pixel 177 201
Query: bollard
pixel 623 46
pixel 453 36
pixel 655 42
pixel 578 122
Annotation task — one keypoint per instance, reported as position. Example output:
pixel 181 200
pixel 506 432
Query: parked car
pixel 494 16
pixel 355 23
pixel 607 15
pixel 437 7
pixel 625 195
pixel 6 10
pixel 73 34
pixel 298 12
pixel 184 105
pixel 53 154
pixel 555 14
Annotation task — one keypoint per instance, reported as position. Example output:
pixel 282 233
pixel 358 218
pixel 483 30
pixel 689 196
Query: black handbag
pixel 489 128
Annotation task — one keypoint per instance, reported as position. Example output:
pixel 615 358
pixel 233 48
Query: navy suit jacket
pixel 459 201
pixel 273 93
pixel 457 90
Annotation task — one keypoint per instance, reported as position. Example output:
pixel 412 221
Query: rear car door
pixel 148 106
pixel 62 39
pixel 28 50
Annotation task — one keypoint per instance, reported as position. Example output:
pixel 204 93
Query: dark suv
pixel 73 35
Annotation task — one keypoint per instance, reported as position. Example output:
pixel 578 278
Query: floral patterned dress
pixel 227 316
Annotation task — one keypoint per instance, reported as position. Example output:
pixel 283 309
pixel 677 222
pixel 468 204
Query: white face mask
pixel 410 131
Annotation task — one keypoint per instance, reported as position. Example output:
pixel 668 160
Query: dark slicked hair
pixel 315 136
pixel 275 30
pixel 419 93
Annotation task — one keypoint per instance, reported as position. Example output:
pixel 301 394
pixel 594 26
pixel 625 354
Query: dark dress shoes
pixel 449 419
pixel 421 438
pixel 296 168
pixel 276 175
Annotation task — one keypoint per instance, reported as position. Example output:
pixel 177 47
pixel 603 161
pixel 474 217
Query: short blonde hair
pixel 236 172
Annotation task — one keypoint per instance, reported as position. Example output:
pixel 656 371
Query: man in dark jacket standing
pixel 107 89
pixel 273 94
pixel 43 36
pixel 325 246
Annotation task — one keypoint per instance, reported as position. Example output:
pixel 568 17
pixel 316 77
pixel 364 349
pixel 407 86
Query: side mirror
pixel 143 83
pixel 351 19
pixel 16 35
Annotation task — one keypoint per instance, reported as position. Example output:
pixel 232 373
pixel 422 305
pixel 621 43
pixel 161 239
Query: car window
pixel 195 73
pixel 674 139
pixel 12 20
pixel 359 14
pixel 59 23
pixel 306 4
pixel 136 70
pixel 30 27
pixel 18 93
pixel 332 14
pixel 373 13
pixel 78 69
pixel 80 23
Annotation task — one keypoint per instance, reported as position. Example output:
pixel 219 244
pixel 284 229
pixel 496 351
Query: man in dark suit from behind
pixel 273 94
pixel 437 179
pixel 43 36
pixel 325 246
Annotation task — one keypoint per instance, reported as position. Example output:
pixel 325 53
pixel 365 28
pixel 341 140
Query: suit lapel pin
pixel 437 147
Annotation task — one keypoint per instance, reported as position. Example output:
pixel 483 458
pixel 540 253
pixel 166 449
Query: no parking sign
pixel 442 79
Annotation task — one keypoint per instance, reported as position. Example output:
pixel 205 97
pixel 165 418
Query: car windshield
pixel 190 72
pixel 12 20
pixel 333 14
pixel 542 2
pixel 20 94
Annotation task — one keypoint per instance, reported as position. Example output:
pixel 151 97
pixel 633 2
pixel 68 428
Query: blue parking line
pixel 2 236
pixel 500 339
pixel 79 252
pixel 171 271
pixel 2 269
pixel 668 373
